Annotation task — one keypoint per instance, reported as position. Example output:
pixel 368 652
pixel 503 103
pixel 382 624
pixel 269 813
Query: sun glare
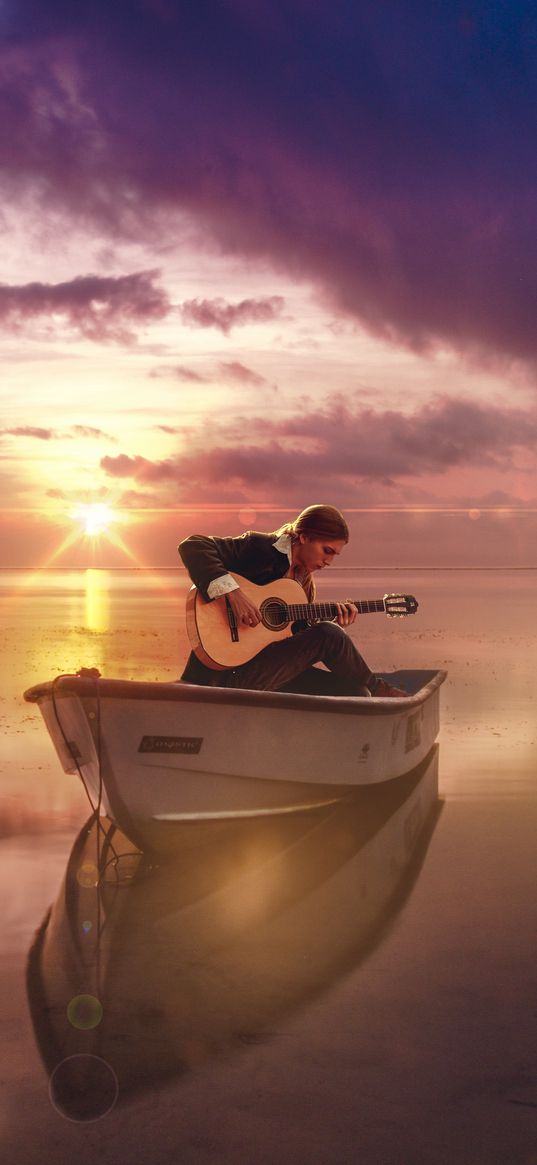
pixel 95 518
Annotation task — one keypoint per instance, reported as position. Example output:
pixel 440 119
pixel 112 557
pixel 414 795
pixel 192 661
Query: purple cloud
pixel 30 431
pixel 97 307
pixel 392 163
pixel 216 313
pixel 138 468
pixel 43 434
pixel 91 432
pixel 234 370
pixel 181 372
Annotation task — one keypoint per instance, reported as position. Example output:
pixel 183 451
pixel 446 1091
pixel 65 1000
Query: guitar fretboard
pixel 329 610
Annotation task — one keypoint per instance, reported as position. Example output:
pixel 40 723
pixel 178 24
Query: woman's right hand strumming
pixel 246 612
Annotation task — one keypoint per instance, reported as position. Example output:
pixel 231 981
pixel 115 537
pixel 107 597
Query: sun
pixel 95 518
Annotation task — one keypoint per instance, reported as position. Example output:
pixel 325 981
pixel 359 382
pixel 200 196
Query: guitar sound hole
pixel 274 614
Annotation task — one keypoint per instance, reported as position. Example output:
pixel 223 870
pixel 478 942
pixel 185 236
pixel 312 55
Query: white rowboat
pixel 151 754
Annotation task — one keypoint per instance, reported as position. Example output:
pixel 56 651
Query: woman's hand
pixel 245 612
pixel 346 613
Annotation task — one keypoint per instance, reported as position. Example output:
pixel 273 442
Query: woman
pixel 309 543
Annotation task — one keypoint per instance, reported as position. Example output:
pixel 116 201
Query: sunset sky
pixel 263 253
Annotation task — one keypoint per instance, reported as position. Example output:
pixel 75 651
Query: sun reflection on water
pixel 97 605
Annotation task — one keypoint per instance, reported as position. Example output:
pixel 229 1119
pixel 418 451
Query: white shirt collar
pixel 284 546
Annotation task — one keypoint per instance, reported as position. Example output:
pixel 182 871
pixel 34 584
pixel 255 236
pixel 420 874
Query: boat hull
pixel 150 754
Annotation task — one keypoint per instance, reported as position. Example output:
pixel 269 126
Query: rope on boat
pixel 92 673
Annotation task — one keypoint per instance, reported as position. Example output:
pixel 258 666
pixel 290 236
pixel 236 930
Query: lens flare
pixel 85 1012
pixel 88 875
pixel 83 1088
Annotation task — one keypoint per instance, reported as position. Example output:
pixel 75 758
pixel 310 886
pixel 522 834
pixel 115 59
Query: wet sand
pixel 420 1046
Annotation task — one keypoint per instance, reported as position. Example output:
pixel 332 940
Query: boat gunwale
pixel 83 686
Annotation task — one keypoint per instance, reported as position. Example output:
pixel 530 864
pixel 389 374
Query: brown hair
pixel 317 522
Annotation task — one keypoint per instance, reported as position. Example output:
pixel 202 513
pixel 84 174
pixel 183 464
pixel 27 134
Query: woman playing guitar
pixel 309 543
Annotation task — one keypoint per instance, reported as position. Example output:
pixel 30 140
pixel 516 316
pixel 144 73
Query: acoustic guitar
pixel 220 642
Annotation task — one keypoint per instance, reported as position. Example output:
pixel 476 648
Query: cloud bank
pixel 385 153
pixel 338 447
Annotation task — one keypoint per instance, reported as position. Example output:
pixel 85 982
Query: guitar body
pixel 209 631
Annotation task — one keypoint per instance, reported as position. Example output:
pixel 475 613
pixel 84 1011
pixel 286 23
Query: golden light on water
pixel 97 600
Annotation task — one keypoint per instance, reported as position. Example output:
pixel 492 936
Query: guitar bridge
pixel 234 631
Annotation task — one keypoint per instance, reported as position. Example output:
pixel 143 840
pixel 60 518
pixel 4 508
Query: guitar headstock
pixel 398 605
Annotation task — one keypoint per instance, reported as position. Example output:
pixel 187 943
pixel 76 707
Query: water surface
pixel 420 1047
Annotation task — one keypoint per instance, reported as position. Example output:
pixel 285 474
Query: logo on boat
pixel 413 732
pixel 184 744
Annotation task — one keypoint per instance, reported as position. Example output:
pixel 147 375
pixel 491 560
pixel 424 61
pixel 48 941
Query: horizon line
pixel 174 569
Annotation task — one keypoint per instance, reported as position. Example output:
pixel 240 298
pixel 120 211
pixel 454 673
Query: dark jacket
pixel 251 554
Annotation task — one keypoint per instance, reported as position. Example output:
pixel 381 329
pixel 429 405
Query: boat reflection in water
pixel 141 971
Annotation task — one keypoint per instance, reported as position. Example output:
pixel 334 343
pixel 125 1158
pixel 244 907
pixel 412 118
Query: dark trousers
pixel 288 665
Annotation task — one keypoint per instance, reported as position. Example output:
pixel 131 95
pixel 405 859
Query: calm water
pixel 407 1036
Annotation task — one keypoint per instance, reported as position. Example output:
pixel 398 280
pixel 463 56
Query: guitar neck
pixel 329 610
